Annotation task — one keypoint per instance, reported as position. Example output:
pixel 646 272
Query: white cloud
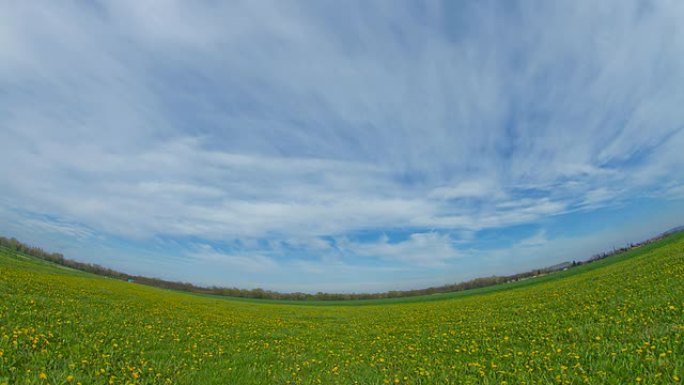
pixel 423 249
pixel 538 239
pixel 251 263
pixel 467 189
pixel 287 122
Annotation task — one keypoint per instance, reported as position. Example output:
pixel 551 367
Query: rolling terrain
pixel 616 321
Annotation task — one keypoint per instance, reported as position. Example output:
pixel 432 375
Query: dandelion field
pixel 616 321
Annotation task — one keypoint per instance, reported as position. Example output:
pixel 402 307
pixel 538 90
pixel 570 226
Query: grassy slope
pixel 619 320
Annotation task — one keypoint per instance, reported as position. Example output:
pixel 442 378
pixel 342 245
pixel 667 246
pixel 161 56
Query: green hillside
pixel 616 321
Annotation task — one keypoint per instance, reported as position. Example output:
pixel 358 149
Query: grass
pixel 616 321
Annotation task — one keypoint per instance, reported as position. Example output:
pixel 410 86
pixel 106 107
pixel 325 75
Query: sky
pixel 340 146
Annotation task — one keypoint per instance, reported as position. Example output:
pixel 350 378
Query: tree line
pixel 258 293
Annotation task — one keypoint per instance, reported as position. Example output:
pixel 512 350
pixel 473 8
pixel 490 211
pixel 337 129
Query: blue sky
pixel 339 146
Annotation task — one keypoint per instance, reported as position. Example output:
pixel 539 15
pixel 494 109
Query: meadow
pixel 615 321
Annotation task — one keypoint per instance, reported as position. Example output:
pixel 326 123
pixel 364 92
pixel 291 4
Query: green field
pixel 616 321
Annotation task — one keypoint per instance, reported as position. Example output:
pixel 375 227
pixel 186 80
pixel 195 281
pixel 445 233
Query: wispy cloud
pixel 424 249
pixel 287 126
pixel 538 239
pixel 251 263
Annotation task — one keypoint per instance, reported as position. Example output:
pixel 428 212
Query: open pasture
pixel 616 321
